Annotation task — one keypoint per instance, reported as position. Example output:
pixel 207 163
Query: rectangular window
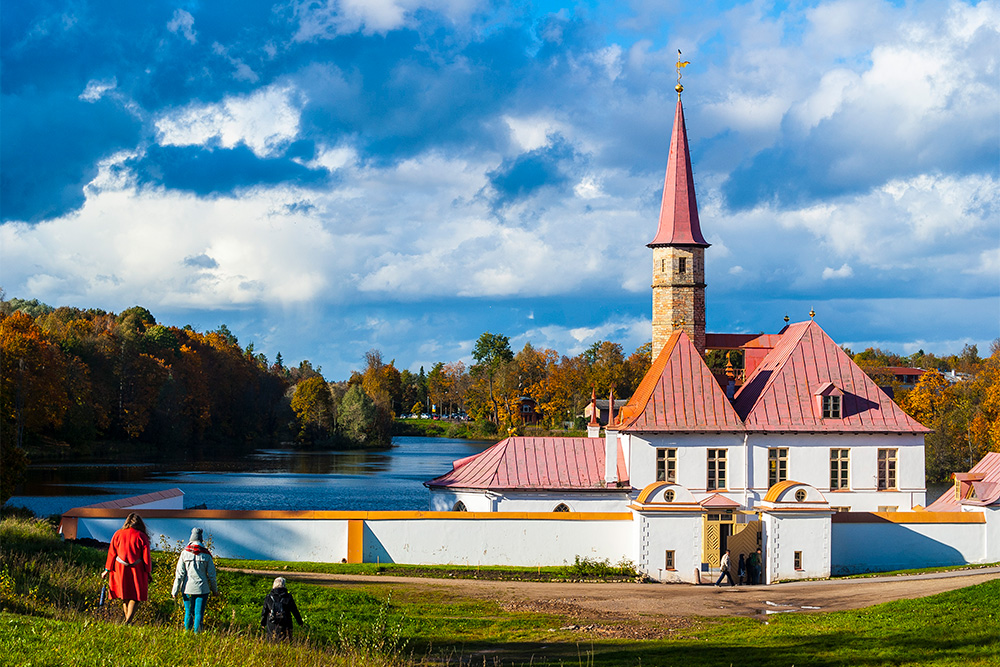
pixel 777 465
pixel 663 266
pixel 682 265
pixel 716 469
pixel 888 508
pixel 886 469
pixel 840 509
pixel 666 465
pixel 840 465
pixel 831 407
pixel 668 562
pixel 798 560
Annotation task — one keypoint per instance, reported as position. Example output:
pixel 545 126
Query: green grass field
pixel 49 616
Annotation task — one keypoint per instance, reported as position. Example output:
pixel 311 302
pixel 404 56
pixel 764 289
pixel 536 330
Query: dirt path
pixel 667 604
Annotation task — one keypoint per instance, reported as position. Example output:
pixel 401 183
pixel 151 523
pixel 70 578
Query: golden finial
pixel 679 88
pixel 786 318
pixel 812 313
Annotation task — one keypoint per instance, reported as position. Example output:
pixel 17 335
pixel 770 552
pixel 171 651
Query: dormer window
pixel 829 401
pixel 831 407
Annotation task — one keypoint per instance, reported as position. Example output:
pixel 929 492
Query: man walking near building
pixel 725 566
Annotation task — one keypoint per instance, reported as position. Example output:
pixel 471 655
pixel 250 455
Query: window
pixel 668 496
pixel 682 265
pixel 666 465
pixel 561 507
pixel 831 407
pixel 888 508
pixel 886 469
pixel 800 495
pixel 459 507
pixel 798 560
pixel 840 509
pixel 668 561
pixel 663 266
pixel 777 465
pixel 716 469
pixel 840 464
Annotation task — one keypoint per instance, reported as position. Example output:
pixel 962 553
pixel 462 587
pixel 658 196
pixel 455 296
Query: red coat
pixel 129 580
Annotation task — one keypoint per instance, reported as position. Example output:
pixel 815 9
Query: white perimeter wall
pixel 657 533
pixel 443 500
pixel 318 540
pixel 884 546
pixel 786 533
pixel 515 541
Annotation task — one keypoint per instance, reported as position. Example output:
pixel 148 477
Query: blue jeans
pixel 194 611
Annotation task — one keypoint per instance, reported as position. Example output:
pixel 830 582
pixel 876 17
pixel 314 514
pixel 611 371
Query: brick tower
pixel 678 248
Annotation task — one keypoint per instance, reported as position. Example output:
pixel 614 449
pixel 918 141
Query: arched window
pixel 459 507
pixel 561 507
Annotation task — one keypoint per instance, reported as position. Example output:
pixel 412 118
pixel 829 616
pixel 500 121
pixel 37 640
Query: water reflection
pixel 267 479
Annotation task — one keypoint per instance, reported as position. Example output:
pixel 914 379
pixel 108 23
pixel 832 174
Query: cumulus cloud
pixel 266 121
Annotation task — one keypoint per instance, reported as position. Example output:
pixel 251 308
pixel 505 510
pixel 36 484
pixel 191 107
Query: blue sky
pixel 329 176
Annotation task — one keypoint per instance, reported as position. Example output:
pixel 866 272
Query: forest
pixel 80 383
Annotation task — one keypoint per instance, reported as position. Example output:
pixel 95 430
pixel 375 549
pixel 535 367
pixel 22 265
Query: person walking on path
pixel 129 567
pixel 724 566
pixel 279 608
pixel 741 570
pixel 194 578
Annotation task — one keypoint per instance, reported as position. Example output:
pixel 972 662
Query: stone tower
pixel 678 249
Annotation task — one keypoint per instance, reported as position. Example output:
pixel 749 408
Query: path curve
pixel 629 602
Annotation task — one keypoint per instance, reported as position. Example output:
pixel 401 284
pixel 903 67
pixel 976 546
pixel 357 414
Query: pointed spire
pixel 611 407
pixel 679 223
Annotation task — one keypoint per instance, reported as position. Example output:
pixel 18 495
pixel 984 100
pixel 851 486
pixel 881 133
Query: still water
pixel 274 479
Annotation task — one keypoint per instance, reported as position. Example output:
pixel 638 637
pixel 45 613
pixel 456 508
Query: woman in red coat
pixel 129 565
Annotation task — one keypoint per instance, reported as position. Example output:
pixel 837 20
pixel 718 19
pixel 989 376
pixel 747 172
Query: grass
pixel 49 616
pixel 583 569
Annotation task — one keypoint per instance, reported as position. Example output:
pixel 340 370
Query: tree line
pixel 86 381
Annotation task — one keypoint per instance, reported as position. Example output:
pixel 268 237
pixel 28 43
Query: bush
pixel 591 567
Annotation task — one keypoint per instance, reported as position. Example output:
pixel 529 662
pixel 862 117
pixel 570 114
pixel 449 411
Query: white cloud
pixel 183 22
pixel 845 271
pixel 97 87
pixel 265 121
pixel 325 20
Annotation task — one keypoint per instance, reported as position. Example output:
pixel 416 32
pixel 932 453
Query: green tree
pixel 357 417
pixel 312 403
pixel 492 354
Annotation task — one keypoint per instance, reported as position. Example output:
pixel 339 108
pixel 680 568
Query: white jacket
pixel 195 572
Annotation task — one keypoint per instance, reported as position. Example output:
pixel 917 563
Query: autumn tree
pixel 314 410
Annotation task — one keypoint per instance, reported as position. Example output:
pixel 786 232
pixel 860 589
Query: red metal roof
pixel 719 501
pixel 780 394
pixel 679 223
pixel 533 463
pixel 679 393
pixel 984 477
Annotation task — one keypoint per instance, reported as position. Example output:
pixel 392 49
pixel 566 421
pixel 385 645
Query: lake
pixel 274 479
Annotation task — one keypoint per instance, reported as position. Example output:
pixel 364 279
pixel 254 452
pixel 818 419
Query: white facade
pixel 445 500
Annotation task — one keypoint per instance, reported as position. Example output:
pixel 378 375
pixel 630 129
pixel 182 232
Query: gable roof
pixel 980 486
pixel 679 223
pixel 780 395
pixel 532 463
pixel 679 393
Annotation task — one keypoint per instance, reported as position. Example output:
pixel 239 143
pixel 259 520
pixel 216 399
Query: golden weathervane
pixel 680 65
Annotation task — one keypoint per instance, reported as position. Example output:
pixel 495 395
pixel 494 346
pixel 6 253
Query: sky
pixel 330 176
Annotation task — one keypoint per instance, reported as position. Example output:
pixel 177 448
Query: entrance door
pixel 718 528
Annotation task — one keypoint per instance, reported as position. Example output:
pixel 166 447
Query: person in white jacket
pixel 194 578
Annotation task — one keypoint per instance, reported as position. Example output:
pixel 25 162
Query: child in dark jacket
pixel 279 608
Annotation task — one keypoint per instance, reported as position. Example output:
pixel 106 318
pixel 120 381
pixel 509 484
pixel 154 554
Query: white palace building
pixel 798 453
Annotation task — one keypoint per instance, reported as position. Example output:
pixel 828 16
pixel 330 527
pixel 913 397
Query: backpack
pixel 278 613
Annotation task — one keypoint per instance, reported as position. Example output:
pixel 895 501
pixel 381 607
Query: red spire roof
pixel 679 393
pixel 679 211
pixel 784 392
pixel 532 463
